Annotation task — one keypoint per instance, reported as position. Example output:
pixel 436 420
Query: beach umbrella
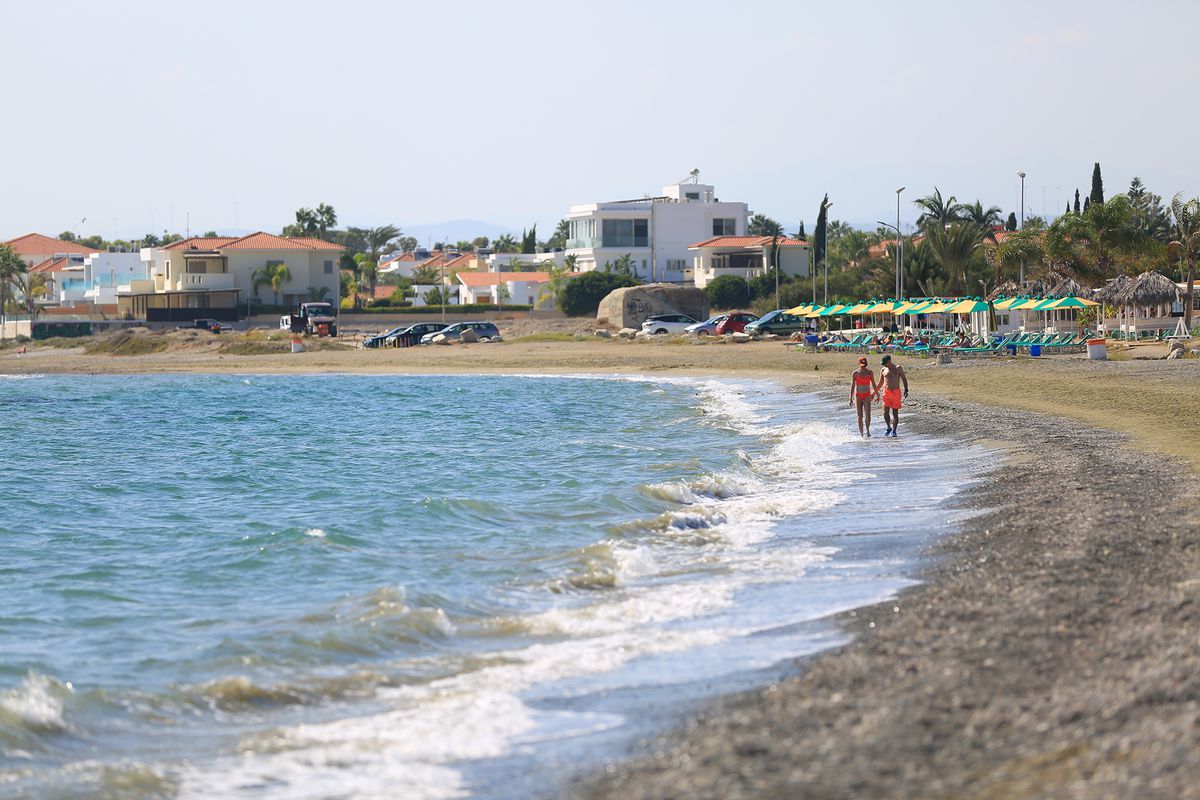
pixel 1107 294
pixel 1072 302
pixel 917 307
pixel 1148 290
pixel 882 305
pixel 836 308
pixel 1067 287
pixel 800 310
pixel 858 309
pixel 1008 303
pixel 815 311
pixel 968 306
pixel 1006 289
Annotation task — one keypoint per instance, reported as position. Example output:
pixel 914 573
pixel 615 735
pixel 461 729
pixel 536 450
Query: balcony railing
pixel 204 280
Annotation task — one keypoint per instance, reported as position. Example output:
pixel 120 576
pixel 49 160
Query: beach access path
pixel 1052 650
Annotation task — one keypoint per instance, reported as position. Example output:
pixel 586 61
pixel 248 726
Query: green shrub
pixel 22 338
pixel 727 291
pixel 581 296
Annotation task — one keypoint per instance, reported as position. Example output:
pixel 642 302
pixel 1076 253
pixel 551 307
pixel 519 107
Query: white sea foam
pixel 315 532
pixel 37 704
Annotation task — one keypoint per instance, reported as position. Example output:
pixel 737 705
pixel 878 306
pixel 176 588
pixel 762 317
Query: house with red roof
pixel 34 249
pixel 519 288
pixel 747 257
pixel 216 276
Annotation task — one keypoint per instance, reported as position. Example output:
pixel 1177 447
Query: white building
pixel 515 262
pixel 103 275
pixel 518 288
pixel 746 256
pixel 656 232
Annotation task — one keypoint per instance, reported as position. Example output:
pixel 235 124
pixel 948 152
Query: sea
pixel 351 586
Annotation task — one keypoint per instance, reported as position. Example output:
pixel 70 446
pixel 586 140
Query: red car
pixel 736 322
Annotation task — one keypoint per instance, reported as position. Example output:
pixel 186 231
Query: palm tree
pixel 425 275
pixel 306 221
pixel 273 273
pixel 1185 243
pixel 318 294
pixel 1082 245
pixel 1019 247
pixel 32 287
pixel 378 237
pixel 953 247
pixel 937 211
pixel 326 218
pixel 506 244
pixel 985 218
pixel 11 266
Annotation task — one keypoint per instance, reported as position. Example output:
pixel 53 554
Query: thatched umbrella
pixel 1149 289
pixel 1006 289
pixel 1067 287
pixel 1109 291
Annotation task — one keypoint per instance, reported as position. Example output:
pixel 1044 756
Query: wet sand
pixel 1054 647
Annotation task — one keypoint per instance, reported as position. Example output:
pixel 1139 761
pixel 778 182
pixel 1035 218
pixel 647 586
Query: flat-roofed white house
pixel 746 257
pixel 656 232
pixel 214 276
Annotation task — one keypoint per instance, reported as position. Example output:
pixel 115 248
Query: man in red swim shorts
pixel 890 377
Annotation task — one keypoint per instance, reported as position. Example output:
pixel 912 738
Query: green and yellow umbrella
pixel 858 309
pixel 800 310
pixel 1009 303
pixel 968 306
pixel 836 308
pixel 1073 302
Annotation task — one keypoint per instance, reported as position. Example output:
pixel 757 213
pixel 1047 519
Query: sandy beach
pixel 1051 650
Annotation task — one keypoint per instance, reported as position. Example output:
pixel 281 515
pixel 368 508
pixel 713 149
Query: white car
pixel 668 323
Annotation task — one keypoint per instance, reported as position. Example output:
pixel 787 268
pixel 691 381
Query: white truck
pixel 314 319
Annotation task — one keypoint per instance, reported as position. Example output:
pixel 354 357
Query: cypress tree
pixel 1010 224
pixel 819 234
pixel 800 234
pixel 1076 201
pixel 1067 210
pixel 1087 203
pixel 1097 195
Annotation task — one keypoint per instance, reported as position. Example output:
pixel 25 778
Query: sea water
pixel 329 586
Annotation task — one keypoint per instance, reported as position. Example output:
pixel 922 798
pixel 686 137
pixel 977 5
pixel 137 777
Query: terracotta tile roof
pixel 35 244
pixel 747 241
pixel 51 265
pixel 382 291
pixel 259 240
pixel 492 278
pixel 200 243
pixel 315 244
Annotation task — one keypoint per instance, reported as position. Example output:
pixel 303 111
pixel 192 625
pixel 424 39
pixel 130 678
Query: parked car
pixel 379 339
pixel 735 322
pixel 668 323
pixel 777 322
pixel 706 328
pixel 410 333
pixel 455 331
pixel 206 324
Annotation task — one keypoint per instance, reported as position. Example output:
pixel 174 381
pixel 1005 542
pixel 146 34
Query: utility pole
pixel 1021 175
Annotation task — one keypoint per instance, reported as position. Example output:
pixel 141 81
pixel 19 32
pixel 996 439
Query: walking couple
pixel 864 388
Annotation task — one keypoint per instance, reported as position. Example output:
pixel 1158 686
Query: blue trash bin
pixel 1012 349
pixel 1035 350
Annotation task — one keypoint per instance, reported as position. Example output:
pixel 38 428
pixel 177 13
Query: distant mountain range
pixel 455 230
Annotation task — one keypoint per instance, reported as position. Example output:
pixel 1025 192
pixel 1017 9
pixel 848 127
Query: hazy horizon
pixel 141 116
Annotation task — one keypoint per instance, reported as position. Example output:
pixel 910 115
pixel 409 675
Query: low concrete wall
pixel 349 321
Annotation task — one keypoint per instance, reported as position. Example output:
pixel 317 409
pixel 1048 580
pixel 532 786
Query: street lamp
pixel 1021 175
pixel 899 250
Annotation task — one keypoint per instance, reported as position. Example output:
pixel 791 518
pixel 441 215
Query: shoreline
pixel 1051 648
pixel 1034 659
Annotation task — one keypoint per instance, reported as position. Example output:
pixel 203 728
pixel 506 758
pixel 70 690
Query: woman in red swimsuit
pixel 862 388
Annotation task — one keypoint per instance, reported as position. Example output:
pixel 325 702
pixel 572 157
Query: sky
pixel 146 116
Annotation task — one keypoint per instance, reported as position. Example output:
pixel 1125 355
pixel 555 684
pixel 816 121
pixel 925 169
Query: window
pixel 328 267
pixel 676 264
pixel 625 233
pixel 692 196
pixel 724 226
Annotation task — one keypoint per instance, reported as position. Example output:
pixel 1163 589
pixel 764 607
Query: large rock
pixel 469 336
pixel 633 305
pixel 628 333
